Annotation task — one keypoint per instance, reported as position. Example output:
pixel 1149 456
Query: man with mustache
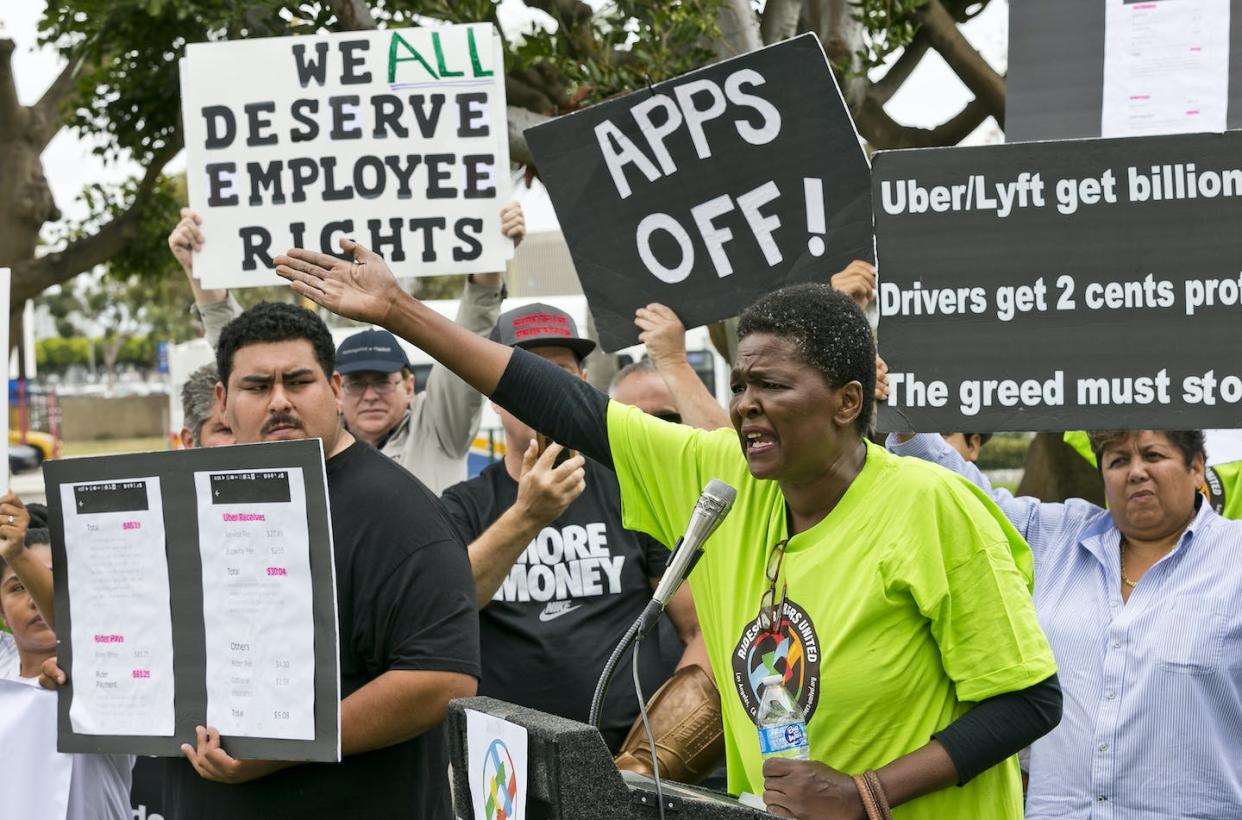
pixel 405 602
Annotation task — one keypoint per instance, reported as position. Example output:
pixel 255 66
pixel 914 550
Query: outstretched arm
pixel 539 393
pixel 366 290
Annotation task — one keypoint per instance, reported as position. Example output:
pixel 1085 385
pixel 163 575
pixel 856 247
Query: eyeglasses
pixel 669 415
pixel 382 387
pixel 770 608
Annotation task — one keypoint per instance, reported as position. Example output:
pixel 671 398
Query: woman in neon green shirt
pixel 892 597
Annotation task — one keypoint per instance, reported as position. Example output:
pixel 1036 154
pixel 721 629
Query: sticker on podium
pixel 496 755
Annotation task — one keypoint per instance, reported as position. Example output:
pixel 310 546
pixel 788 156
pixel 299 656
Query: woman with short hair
pixel 893 600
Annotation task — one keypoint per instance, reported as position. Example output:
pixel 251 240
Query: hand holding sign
pixel 364 289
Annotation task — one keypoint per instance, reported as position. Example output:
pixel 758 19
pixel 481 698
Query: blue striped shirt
pixel 1152 687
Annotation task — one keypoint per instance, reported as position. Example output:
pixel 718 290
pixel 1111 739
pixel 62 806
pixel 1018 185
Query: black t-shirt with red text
pixel 566 602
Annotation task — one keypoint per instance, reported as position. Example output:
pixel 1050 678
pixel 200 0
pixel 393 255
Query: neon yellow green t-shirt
pixel 910 600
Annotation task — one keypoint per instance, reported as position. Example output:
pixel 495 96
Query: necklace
pixel 1124 578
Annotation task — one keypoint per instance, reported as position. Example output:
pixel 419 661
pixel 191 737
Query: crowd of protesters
pixel 930 626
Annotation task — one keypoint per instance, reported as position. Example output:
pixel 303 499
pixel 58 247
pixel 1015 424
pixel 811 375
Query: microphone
pixel 709 511
pixel 711 508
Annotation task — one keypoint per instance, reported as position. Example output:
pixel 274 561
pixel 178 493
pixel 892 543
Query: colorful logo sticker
pixel 499 782
pixel 791 650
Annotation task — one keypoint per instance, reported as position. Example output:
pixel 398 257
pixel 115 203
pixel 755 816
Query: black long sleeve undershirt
pixel 575 414
pixel 561 406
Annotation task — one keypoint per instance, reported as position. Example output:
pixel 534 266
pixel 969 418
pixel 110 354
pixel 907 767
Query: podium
pixel 571 775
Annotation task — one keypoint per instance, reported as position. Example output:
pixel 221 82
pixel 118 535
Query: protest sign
pixel 197 588
pixel 396 138
pixel 1062 285
pixel 710 190
pixel 1122 68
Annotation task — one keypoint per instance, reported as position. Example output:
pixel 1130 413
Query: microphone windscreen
pixel 720 491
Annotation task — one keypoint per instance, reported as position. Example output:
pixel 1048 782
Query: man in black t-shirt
pixel 558 577
pixel 405 603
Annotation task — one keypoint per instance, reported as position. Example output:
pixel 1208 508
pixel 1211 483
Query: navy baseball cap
pixel 540 325
pixel 371 351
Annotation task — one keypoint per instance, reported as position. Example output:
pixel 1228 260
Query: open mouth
pixel 758 441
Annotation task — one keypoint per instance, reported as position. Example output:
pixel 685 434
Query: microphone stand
pixel 641 626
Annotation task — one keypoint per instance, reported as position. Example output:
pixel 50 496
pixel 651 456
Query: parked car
pixel 24 458
pixel 44 444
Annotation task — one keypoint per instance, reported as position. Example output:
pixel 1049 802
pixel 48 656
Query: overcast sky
pixel 930 96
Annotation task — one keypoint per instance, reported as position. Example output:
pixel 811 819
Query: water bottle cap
pixel 774 680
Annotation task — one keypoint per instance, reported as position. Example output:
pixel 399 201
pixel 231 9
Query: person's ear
pixel 222 402
pixel 849 404
pixel 338 394
pixel 973 445
pixel 187 438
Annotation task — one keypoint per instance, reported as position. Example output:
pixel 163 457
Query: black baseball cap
pixel 371 351
pixel 540 325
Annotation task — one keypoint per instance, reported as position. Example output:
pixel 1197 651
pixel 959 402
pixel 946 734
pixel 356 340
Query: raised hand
pixel 662 333
pixel 545 488
pixel 856 281
pixel 363 289
pixel 513 222
pixel 14 519
pixel 186 239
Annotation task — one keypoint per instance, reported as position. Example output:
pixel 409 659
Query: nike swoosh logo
pixel 550 614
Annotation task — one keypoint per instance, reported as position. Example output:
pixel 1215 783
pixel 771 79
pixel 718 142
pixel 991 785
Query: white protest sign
pixel 35 777
pixel 5 282
pixel 398 139
pixel 496 755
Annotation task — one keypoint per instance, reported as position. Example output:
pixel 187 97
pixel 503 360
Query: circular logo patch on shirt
pixel 791 650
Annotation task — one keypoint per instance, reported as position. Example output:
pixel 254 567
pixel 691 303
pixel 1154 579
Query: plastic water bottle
pixel 782 725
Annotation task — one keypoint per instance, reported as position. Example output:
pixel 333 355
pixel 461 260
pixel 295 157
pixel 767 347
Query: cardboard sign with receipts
pixel 197 587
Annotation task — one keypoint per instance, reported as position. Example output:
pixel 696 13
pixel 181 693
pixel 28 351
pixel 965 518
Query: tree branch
pixel 353 15
pixel 969 65
pixel 574 12
pixel 33 276
pixel 883 132
pixel 780 20
pixel 739 29
pixel 574 18
pixel 519 120
pixel 884 88
pixel 49 110
pixel 524 95
pixel 13 116
pixel 841 34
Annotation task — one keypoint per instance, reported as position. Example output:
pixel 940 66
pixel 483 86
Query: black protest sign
pixel 710 190
pixel 1062 285
pixel 396 138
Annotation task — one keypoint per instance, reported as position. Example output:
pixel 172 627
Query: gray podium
pixel 571 776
